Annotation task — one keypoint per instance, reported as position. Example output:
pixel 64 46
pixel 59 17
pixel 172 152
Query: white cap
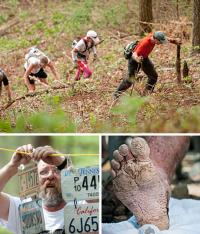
pixel 93 35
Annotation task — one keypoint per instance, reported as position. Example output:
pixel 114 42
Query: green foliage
pixel 187 79
pixel 12 3
pixel 54 122
pixel 5 126
pixel 40 25
pixel 23 15
pixel 79 17
pixel 4 231
pixel 2 19
pixel 58 17
pixel 79 144
pixel 114 15
pixel 51 31
pixel 93 119
pixel 130 106
pixel 10 44
pixel 196 48
pixel 189 121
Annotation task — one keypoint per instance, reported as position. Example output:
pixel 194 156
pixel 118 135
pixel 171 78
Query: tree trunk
pixel 177 9
pixel 42 141
pixel 196 26
pixel 157 12
pixel 178 64
pixel 145 16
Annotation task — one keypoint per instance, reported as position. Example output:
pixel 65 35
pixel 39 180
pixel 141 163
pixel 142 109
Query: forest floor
pixel 85 106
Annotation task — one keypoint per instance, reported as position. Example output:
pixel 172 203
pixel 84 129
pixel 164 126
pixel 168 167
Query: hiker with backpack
pixel 137 54
pixel 4 80
pixel 35 63
pixel 81 51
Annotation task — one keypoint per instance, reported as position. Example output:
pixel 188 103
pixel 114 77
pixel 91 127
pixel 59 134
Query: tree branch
pixel 32 95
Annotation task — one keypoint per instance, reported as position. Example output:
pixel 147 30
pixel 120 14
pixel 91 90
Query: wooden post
pixel 178 64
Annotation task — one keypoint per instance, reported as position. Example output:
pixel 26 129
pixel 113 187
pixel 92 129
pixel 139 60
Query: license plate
pixel 82 219
pixel 80 184
pixel 28 180
pixel 31 217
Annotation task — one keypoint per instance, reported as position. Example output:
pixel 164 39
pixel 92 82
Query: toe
pixel 113 173
pixel 140 149
pixel 117 156
pixel 125 152
pixel 115 165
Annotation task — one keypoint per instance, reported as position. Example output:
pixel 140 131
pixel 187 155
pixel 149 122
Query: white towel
pixel 184 218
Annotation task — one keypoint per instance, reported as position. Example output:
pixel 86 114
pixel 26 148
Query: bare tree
pixel 196 26
pixel 145 16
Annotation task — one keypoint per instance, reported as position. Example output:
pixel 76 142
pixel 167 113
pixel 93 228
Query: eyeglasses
pixel 45 172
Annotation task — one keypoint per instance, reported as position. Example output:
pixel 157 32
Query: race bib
pixel 31 217
pixel 28 181
pixel 80 184
pixel 82 218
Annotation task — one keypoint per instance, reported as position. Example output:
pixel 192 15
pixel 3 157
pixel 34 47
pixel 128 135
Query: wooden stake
pixel 178 63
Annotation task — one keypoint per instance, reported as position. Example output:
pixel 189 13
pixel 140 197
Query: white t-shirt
pixel 53 220
pixel 81 47
pixel 35 62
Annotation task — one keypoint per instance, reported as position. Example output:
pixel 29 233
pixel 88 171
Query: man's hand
pixel 19 158
pixel 9 99
pixel 44 153
pixel 95 57
pixel 137 58
pixel 140 59
pixel 174 41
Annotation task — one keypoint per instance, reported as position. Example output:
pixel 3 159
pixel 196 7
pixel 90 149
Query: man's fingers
pixel 22 154
pixel 42 152
pixel 24 149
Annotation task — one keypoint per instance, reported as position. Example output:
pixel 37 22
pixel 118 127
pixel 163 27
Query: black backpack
pixel 128 49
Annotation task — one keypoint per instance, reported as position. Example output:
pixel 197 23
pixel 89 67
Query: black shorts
pixel 4 80
pixel 81 56
pixel 41 75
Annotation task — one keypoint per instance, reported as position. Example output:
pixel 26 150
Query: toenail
pixel 123 150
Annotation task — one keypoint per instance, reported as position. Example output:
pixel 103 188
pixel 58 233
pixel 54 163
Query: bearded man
pixel 50 187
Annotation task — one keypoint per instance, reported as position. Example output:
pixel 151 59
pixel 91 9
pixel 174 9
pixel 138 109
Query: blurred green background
pixel 64 144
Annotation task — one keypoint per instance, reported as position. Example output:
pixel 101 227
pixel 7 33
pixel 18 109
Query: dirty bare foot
pixel 141 186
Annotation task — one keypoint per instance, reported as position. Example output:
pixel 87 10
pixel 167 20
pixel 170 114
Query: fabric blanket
pixel 184 218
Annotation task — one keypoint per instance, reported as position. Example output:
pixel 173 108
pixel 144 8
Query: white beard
pixel 51 197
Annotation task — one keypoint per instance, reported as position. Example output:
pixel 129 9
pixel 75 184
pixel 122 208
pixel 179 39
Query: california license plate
pixel 80 184
pixel 82 218
pixel 31 217
pixel 28 180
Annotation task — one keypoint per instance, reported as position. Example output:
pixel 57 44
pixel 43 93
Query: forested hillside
pixel 86 105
